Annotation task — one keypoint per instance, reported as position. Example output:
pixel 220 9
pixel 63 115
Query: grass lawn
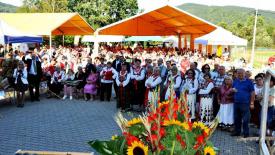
pixel 260 58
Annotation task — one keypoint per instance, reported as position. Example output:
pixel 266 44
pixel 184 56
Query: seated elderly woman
pixel 81 76
pixel 68 87
pixel 55 85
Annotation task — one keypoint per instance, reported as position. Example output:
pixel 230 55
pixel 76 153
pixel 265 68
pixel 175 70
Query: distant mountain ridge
pixel 214 14
pixel 227 14
pixel 7 7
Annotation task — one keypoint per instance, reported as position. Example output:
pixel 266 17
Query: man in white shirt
pixel 34 76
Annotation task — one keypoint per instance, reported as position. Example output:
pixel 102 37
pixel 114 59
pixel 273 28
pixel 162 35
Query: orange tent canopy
pixel 164 21
pixel 48 23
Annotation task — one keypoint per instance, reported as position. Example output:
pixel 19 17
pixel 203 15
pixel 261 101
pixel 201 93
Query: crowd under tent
pixel 103 38
pixel 144 38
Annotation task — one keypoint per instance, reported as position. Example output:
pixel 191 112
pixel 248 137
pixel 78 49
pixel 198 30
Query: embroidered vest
pixel 108 74
pixel 122 76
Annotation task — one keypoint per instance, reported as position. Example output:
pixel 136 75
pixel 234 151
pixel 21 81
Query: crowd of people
pixel 139 77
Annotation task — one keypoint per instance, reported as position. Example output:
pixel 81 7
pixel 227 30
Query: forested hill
pixel 227 14
pixel 7 8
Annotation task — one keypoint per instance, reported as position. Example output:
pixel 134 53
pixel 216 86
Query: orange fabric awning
pixel 164 21
pixel 48 23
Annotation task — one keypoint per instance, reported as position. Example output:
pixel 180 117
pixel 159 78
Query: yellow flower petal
pixel 137 148
pixel 209 151
pixel 133 122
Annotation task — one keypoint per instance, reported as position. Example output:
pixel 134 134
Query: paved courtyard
pixel 56 125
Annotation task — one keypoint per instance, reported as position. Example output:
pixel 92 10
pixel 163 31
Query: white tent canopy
pixel 221 36
pixel 9 34
pixel 103 38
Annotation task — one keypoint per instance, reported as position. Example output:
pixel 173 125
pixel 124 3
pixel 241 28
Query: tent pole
pixel 63 38
pixel 50 41
pixel 254 39
pixel 96 43
pixel 185 41
pixel 192 39
pixel 179 41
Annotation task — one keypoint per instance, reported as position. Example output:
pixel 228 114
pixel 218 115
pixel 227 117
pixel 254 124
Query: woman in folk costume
pixel 205 69
pixel 55 85
pixel 122 82
pixel 137 80
pixel 149 73
pixel 206 99
pixel 190 87
pixel 226 100
pixel 68 89
pixel 107 74
pixel 90 89
pixel 153 83
pixel 174 78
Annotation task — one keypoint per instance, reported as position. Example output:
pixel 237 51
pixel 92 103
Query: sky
pixel 151 4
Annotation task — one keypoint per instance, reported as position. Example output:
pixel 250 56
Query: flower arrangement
pixel 165 130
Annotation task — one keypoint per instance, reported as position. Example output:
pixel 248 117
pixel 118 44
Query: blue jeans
pixel 241 117
pixel 270 115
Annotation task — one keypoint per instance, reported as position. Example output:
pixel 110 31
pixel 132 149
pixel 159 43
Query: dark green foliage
pixel 238 20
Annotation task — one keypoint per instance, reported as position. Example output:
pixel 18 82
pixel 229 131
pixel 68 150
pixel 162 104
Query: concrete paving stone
pixel 56 125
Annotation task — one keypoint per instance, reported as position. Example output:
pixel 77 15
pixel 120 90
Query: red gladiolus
pixel 154 137
pixel 175 115
pixel 178 137
pixel 176 107
pixel 161 147
pixel 204 134
pixel 196 146
pixel 154 127
pixel 162 132
pixel 158 110
pixel 190 124
pixel 183 144
pixel 200 139
pixel 130 139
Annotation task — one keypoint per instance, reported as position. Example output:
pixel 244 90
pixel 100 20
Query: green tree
pixel 223 24
pixel 50 6
pixel 99 13
pixel 273 36
pixel 263 39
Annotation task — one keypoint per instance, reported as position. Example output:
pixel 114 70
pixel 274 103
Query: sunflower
pixel 176 122
pixel 137 148
pixel 201 125
pixel 163 103
pixel 185 126
pixel 133 122
pixel 172 122
pixel 209 151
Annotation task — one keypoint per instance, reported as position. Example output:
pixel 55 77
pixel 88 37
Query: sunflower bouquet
pixel 165 130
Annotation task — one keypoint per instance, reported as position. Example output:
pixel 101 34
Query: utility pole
pixel 254 39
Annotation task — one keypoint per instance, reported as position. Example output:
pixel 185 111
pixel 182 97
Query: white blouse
pixel 23 77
